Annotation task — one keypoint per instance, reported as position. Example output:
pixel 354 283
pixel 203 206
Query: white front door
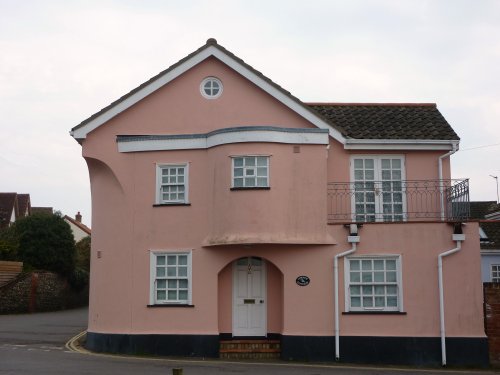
pixel 249 297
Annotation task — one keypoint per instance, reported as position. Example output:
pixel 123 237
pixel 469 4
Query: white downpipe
pixel 353 240
pixel 458 238
pixel 440 167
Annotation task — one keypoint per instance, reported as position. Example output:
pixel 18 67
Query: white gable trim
pixel 82 132
pixel 204 141
pixel 400 144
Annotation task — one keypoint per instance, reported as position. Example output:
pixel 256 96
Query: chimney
pixel 78 217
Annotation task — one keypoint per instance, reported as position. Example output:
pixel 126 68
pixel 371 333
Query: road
pixel 35 344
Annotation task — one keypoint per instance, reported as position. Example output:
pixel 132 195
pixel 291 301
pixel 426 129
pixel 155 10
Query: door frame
pixel 264 292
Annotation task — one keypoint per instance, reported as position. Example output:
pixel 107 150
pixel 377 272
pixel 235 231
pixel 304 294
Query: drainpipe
pixel 440 171
pixel 458 238
pixel 353 239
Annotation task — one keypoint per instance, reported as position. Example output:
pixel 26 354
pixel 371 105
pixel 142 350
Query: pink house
pixel 227 211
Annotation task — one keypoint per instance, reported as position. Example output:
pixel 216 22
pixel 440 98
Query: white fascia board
pixel 82 132
pixel 400 144
pixel 217 139
pixel 491 252
pixel 277 94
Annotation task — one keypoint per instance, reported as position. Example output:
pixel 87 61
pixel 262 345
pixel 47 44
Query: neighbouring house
pixel 42 210
pixel 79 229
pixel 226 211
pixel 13 206
pixel 488 214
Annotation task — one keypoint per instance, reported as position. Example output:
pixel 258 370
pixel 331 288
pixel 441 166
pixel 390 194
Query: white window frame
pixel 495 273
pixel 210 95
pixel 247 169
pixel 398 283
pixel 154 254
pixel 159 196
pixel 378 177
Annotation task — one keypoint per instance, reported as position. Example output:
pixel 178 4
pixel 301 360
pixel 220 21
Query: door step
pixel 250 349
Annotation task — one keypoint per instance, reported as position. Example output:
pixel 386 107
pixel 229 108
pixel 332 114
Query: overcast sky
pixel 62 61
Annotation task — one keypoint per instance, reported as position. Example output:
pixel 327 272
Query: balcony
pixel 397 201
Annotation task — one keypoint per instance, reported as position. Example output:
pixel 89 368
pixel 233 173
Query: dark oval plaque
pixel 303 280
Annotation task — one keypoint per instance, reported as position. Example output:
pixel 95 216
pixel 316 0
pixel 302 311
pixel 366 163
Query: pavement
pixel 49 343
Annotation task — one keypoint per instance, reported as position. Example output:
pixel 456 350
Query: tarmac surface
pixel 41 344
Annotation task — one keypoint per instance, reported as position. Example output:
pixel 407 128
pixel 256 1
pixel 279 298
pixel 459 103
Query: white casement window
pixel 250 171
pixel 495 273
pixel 170 278
pixel 378 184
pixel 172 183
pixel 373 283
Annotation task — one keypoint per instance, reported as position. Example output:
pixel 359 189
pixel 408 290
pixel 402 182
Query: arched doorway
pixel 249 297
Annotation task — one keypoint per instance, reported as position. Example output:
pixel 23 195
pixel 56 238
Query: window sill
pixel 374 312
pixel 171 305
pixel 171 204
pixel 251 188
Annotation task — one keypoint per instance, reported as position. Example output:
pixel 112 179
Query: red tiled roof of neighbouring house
pixel 80 225
pixel 24 203
pixel 42 210
pixel 8 205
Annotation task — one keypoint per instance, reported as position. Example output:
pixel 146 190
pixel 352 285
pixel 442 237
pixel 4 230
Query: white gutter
pixel 353 240
pixel 458 238
pixel 440 167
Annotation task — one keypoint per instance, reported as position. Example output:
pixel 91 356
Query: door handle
pixel 261 301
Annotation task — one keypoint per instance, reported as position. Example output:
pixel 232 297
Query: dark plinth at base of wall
pixel 163 345
pixel 416 351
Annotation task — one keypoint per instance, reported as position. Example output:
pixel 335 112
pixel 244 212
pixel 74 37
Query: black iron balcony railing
pixel 407 200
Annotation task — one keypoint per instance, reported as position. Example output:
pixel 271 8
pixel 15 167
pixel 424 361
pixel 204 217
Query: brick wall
pixel 492 320
pixel 39 291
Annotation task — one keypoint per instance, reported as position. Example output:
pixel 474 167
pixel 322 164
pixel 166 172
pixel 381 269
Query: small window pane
pixel 238 182
pixel 161 295
pixel 171 271
pixel 161 284
pixel 238 172
pixel 160 271
pixel 369 163
pixel 367 302
pixel 396 163
pixel 378 265
pixel 355 277
pixel 355 290
pixel 262 172
pixel 390 264
pixel 250 182
pixel 392 301
pixel 160 260
pixel 182 271
pixel 358 163
pixel 172 295
pixel 182 259
pixel 367 289
pixel 183 284
pixel 171 260
pixel 379 301
pixel 378 277
pixel 379 290
pixel 250 161
pixel 354 265
pixel 172 284
pixel 391 276
pixel 386 163
pixel 367 277
pixel 355 302
pixel 366 264
pixel 238 162
pixel 183 295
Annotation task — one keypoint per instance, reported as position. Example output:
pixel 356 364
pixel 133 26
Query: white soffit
pixel 400 144
pixel 81 132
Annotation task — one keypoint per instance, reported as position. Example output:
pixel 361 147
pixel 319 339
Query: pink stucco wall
pixel 285 225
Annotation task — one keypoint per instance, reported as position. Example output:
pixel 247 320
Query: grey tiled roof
pixel 492 230
pixel 479 209
pixel 387 121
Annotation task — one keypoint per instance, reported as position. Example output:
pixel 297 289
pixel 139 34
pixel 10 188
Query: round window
pixel 211 88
